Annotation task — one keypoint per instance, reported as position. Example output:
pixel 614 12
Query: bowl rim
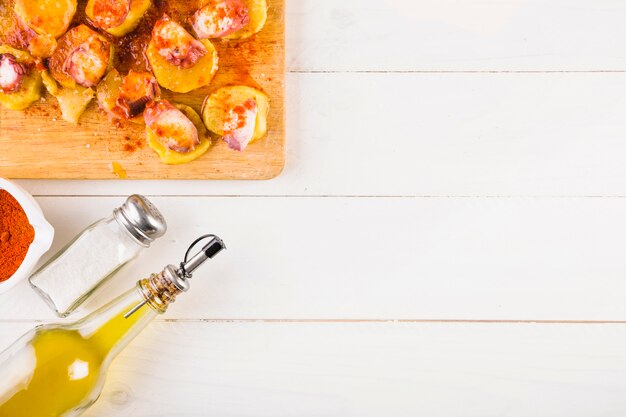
pixel 44 233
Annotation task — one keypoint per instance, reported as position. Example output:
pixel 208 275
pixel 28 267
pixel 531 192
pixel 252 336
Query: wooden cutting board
pixel 37 143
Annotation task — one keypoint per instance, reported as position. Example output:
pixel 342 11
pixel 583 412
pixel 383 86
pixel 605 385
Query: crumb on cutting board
pixel 118 170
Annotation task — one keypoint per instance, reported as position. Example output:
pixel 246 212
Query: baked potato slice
pixel 257 11
pixel 219 108
pixel 51 17
pixel 183 80
pixel 82 57
pixel 42 46
pixel 72 100
pixel 175 44
pixel 170 156
pixel 107 92
pixel 20 81
pixel 219 18
pixel 126 97
pixel 137 90
pixel 125 22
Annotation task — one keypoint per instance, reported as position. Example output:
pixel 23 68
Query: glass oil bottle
pixel 59 370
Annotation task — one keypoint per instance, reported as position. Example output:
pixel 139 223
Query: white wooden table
pixel 448 237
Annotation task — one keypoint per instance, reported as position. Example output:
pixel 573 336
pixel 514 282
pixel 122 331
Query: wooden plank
pixel 376 258
pixel 433 134
pixel 452 35
pixel 38 144
pixel 332 369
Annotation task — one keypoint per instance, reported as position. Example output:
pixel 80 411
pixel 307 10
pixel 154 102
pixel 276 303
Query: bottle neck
pixel 160 290
pixel 114 325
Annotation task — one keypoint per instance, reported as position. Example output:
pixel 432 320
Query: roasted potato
pixel 82 57
pixel 126 97
pixel 118 17
pixel 136 91
pixel 183 80
pixel 72 100
pixel 175 44
pixel 219 107
pixel 42 46
pixel 257 10
pixel 220 18
pixel 50 17
pixel 107 92
pixel 20 81
pixel 164 148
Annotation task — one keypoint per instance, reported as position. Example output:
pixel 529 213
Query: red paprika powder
pixel 16 235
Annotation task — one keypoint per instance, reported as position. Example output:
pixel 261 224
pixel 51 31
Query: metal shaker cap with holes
pixel 142 219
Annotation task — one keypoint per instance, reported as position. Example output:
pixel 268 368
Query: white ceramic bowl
pixel 44 233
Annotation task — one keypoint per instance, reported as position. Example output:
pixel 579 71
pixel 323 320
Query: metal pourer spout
pixel 161 289
pixel 212 248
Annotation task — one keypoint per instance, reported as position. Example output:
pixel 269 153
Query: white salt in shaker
pixel 97 253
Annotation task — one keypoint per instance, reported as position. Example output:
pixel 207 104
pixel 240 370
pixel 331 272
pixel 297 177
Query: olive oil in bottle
pixel 59 370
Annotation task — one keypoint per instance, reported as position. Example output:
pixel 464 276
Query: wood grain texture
pixel 374 258
pixel 37 143
pixel 433 135
pixel 365 119
pixel 456 35
pixel 202 369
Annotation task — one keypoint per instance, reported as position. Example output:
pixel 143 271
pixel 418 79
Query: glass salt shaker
pixel 72 275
